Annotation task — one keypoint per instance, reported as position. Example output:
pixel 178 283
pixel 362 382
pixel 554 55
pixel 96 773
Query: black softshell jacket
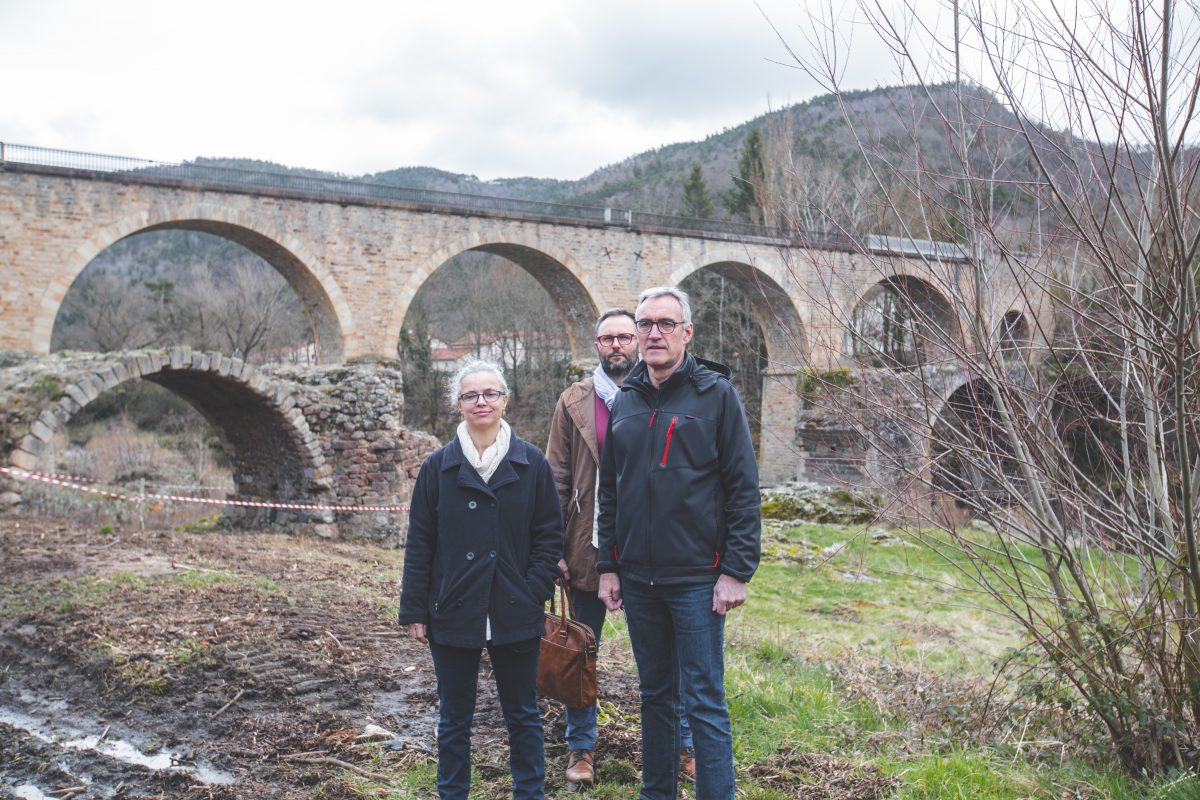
pixel 679 496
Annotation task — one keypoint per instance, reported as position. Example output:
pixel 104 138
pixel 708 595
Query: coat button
pixel 459 603
pixel 511 600
pixel 471 504
pixel 470 556
pixel 492 554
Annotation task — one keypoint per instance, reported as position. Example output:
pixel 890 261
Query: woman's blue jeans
pixel 678 642
pixel 515 668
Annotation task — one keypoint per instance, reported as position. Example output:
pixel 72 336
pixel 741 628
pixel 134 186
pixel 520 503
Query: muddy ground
pixel 162 663
pixel 230 665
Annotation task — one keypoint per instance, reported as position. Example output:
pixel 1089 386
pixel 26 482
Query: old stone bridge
pixel 356 254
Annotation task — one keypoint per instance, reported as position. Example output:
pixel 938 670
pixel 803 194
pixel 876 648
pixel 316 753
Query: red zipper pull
pixel 670 430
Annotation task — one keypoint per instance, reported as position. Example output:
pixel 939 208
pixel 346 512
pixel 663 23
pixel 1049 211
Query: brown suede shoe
pixel 687 765
pixel 580 767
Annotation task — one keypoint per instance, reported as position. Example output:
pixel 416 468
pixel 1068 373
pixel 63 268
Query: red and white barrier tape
pixel 80 484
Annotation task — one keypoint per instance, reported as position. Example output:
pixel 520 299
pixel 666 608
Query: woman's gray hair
pixel 470 368
pixel 669 291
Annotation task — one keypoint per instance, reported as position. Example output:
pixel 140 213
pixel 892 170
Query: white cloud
pixel 540 88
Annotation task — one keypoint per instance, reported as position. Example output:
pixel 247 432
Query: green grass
pixel 827 596
pixel 970 776
pixel 195 579
pixel 899 601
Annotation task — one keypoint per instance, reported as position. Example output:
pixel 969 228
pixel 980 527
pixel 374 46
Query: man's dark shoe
pixel 687 765
pixel 580 767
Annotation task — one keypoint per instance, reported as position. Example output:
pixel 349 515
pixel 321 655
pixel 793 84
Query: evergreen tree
pixel 423 385
pixel 741 200
pixel 696 202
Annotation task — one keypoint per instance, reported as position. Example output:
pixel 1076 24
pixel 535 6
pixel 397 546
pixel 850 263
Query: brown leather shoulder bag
pixel 567 663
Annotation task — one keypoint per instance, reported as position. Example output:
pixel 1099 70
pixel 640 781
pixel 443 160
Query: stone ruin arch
pixel 320 296
pixel 274 453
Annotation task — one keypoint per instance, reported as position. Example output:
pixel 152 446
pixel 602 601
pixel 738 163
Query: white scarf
pixel 485 464
pixel 605 388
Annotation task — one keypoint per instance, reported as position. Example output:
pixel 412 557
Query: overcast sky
pixel 495 89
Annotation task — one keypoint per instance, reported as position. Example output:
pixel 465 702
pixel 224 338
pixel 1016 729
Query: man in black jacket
pixel 679 538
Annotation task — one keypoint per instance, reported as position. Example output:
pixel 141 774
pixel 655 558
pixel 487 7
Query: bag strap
pixel 568 610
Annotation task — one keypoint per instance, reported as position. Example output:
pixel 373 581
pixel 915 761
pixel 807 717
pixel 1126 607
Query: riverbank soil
pixel 215 664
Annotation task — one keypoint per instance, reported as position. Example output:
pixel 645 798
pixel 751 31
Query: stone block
pixel 68 407
pixel 78 395
pixel 33 446
pixel 22 459
pixel 132 366
pixel 109 378
pixel 92 386
pixel 181 357
pixel 41 430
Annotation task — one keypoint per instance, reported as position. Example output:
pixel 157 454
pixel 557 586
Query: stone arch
pixel 902 322
pixel 325 304
pixel 774 310
pixel 1013 334
pixel 553 271
pixel 275 455
pixel 971 457
pixel 786 346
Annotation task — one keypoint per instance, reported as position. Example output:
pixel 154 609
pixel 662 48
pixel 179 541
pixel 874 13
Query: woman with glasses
pixel 484 537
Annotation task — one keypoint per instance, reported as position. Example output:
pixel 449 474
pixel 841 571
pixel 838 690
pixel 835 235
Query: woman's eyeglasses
pixel 609 340
pixel 491 396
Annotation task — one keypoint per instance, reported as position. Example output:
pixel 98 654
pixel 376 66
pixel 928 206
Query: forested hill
pixel 653 180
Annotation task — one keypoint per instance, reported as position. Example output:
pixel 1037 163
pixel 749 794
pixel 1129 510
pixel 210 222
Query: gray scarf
pixel 605 387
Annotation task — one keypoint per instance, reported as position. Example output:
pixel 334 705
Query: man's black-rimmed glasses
pixel 665 326
pixel 608 340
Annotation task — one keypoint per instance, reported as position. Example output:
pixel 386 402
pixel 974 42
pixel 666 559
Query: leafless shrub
pixel 1062 408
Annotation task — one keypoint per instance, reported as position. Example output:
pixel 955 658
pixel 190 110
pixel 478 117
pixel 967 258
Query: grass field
pixel 862 666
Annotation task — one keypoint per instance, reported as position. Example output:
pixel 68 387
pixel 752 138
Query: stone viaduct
pixel 357 254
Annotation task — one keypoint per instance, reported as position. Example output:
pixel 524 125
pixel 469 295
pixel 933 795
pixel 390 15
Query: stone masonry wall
pixel 355 410
pixel 323 435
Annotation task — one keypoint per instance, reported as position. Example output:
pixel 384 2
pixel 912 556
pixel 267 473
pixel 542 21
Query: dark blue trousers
pixel 515 668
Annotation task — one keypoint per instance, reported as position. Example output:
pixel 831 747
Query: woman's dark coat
pixel 477 550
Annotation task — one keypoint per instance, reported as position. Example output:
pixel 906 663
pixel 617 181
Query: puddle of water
pixel 27 791
pixel 114 748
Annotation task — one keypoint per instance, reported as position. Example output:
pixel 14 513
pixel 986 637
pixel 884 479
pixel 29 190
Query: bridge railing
pixel 350 190
pixel 337 188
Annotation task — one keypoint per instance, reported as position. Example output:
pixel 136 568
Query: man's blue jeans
pixel 581 722
pixel 515 668
pixel 678 641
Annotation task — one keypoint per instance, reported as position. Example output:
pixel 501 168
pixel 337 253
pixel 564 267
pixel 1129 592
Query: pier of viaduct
pixel 357 254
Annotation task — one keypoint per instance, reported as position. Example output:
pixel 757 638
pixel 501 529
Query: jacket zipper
pixel 670 430
pixel 650 542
